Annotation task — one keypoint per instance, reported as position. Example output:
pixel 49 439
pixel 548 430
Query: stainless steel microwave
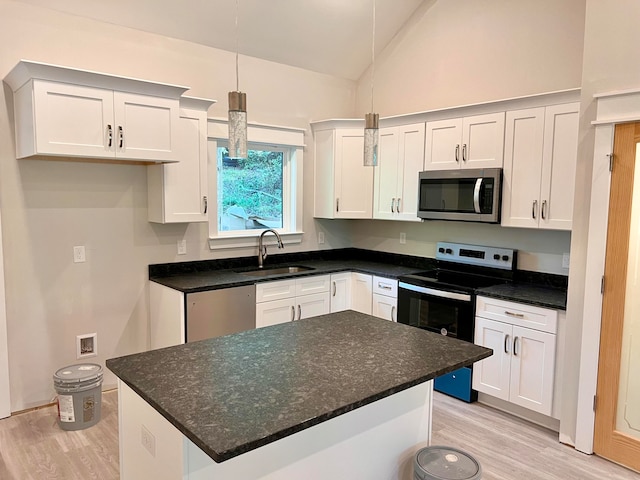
pixel 472 195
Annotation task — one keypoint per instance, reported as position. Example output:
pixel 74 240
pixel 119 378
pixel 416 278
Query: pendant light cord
pixel 373 51
pixel 237 49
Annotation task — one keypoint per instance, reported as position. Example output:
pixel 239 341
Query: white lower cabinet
pixel 340 291
pixel 361 292
pixel 289 300
pixel 385 298
pixel 522 367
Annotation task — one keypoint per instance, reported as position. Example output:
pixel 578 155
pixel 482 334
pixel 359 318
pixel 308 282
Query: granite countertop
pixel 233 394
pixel 541 296
pixel 190 277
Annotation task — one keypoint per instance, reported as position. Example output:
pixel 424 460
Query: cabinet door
pixel 559 166
pixel 146 128
pixel 274 312
pixel 386 175
pixel 340 292
pixel 353 181
pixel 522 168
pixel 442 144
pixel 532 369
pixel 178 191
pixel 308 306
pixel 72 120
pixel 483 141
pixel 385 307
pixel 492 375
pixel 361 292
pixel 411 157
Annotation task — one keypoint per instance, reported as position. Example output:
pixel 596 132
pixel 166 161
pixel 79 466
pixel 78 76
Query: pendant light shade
pixel 237 125
pixel 371 119
pixel 237 112
pixel 371 140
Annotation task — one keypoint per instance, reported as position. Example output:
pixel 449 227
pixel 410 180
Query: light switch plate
pixel 79 254
pixel 182 247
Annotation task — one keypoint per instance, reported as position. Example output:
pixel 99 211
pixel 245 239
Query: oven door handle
pixel 436 293
pixel 476 195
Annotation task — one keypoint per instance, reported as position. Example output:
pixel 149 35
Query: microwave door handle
pixel 476 195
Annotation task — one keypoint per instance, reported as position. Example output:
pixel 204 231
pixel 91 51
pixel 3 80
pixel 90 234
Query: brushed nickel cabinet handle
pixel 534 207
pixel 513 314
pixel 457 152
pixel 393 311
pixel 121 135
pixel 293 313
pixel 398 205
pixel 337 204
pixel 204 199
pixel 393 202
pixel 515 343
pixel 299 312
pixel 334 289
pixel 544 210
pixel 506 343
pixel 464 152
pixel 110 135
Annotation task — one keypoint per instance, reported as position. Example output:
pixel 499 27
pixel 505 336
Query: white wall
pixel 458 52
pixel 48 207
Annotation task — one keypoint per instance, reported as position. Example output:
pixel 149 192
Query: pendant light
pixel 371 119
pixel 237 112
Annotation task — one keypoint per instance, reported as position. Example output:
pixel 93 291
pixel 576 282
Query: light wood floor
pixel 32 447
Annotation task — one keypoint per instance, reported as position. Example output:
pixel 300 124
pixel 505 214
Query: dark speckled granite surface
pixel 541 296
pixel 232 394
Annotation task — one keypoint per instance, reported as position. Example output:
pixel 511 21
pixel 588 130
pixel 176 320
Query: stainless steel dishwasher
pixel 220 312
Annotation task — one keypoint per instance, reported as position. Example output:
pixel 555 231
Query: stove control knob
pixel 505 258
pixel 441 250
pixel 496 257
pixel 449 251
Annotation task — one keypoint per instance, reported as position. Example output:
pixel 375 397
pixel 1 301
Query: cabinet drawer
pixel 385 286
pixel 542 319
pixel 316 284
pixel 275 290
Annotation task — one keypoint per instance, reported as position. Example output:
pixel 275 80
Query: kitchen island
pixel 340 396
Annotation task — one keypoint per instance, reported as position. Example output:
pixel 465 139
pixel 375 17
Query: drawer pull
pixel 513 314
pixel 383 286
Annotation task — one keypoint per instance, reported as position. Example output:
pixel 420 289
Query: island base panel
pixel 376 441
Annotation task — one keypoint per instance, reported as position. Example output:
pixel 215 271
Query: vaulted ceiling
pixel 327 36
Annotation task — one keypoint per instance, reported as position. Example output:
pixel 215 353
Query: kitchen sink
pixel 263 272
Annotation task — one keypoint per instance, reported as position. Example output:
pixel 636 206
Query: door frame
pixel 612 108
pixel 5 396
pixel 608 442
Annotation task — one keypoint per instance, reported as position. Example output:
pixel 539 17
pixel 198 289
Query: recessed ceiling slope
pixel 327 36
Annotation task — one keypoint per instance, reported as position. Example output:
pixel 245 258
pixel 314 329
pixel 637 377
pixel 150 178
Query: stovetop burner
pixel 466 267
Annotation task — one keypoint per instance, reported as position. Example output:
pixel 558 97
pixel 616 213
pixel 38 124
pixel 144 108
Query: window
pixel 250 190
pixel 259 192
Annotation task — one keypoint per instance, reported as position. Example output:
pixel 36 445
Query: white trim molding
pixel 612 108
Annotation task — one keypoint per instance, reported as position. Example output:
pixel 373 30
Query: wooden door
pixel 483 141
pixel 442 149
pixel 617 425
pixel 522 168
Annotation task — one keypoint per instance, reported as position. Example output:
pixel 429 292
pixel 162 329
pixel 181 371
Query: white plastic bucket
pixel 79 389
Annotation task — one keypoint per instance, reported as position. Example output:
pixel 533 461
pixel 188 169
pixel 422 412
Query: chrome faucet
pixel 262 249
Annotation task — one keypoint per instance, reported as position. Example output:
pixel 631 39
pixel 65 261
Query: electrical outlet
pixel 86 345
pixel 565 260
pixel 78 254
pixel 148 440
pixel 403 238
pixel 320 238
pixel 182 247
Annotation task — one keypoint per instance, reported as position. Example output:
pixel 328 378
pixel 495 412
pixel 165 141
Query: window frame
pixel 266 137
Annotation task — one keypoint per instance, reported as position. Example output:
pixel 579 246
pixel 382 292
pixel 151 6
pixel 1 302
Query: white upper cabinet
pixel 75 113
pixel 178 192
pixel 539 169
pixel 469 142
pixel 343 185
pixel 400 159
